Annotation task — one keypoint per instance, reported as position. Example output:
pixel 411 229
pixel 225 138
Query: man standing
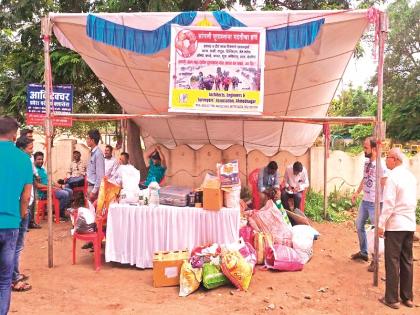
pixel 367 206
pixel 397 224
pixel 18 279
pixel 64 195
pixel 296 181
pixel 111 163
pixel 268 182
pixel 96 165
pixel 29 133
pixel 16 168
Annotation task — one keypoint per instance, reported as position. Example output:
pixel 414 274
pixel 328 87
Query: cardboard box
pixel 167 267
pixel 212 199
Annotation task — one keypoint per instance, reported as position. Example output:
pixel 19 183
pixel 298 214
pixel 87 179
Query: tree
pixel 402 72
pixel 353 102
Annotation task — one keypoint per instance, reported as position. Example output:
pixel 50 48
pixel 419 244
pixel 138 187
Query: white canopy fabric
pixel 298 82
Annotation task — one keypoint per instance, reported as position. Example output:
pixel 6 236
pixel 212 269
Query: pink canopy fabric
pixel 298 82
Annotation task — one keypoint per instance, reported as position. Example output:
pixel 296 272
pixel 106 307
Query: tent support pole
pixel 325 176
pixel 379 137
pixel 46 36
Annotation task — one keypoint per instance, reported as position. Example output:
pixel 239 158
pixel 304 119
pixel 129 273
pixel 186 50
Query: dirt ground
pixel 329 284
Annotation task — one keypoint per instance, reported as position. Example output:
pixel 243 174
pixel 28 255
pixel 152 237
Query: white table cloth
pixel 134 233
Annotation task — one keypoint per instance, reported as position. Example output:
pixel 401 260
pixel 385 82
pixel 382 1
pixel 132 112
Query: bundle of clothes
pixel 267 238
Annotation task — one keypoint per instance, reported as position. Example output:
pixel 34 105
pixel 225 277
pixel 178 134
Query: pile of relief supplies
pixel 268 239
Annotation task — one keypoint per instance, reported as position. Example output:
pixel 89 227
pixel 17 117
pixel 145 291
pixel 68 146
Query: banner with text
pixel 35 104
pixel 217 72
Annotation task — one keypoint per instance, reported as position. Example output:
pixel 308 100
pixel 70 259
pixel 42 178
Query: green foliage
pixel 418 212
pixel 359 132
pixel 299 4
pixel 338 205
pixel 401 71
pixel 353 102
pixel 354 149
pixel 314 206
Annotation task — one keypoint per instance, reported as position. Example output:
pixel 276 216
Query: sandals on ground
pixel 21 277
pixel 21 286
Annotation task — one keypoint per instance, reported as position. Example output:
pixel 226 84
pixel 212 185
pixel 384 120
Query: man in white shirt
pixel 367 206
pixel 397 224
pixel 111 163
pixel 124 169
pixel 296 181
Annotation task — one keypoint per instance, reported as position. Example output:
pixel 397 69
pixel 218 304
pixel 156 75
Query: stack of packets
pixel 215 266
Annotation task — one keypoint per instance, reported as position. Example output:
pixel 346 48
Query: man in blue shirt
pixel 96 165
pixel 268 182
pixel 16 169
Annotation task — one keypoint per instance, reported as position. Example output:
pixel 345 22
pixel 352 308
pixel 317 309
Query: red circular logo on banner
pixel 185 43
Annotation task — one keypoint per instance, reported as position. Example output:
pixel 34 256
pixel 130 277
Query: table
pixel 134 233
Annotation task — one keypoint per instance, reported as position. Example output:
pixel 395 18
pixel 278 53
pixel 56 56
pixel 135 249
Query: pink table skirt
pixel 134 233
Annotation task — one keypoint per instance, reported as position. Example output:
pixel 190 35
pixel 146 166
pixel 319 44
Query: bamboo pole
pixel 296 119
pixel 46 36
pixel 378 135
pixel 325 175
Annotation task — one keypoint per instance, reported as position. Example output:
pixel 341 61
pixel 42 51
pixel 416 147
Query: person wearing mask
pixel 15 197
pixel 397 224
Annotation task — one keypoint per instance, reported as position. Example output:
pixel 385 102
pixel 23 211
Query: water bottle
pixel 154 192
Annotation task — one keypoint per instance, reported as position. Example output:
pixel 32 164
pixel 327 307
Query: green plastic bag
pixel 213 276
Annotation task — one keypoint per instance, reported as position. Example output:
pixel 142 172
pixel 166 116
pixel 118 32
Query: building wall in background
pixel 187 167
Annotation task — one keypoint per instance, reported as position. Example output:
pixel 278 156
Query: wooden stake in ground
pixel 46 36
pixel 378 135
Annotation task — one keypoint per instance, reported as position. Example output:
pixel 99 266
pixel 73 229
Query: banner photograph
pixel 215 71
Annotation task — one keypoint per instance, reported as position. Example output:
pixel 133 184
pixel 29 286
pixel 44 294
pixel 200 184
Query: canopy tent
pixel 306 55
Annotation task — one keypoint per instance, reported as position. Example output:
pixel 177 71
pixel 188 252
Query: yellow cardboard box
pixel 167 267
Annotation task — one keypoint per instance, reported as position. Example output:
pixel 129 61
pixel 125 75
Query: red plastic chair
pixel 42 206
pixel 83 189
pixel 96 237
pixel 253 181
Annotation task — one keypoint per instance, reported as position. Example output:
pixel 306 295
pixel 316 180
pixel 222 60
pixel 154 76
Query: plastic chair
pixel 253 181
pixel 83 189
pixel 42 206
pixel 96 237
